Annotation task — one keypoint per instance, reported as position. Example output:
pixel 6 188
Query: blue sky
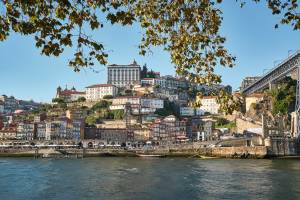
pixel 250 33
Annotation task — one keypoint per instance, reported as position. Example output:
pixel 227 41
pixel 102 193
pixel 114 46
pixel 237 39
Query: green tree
pixel 118 114
pixel 81 99
pixel 284 96
pixel 102 104
pixel 58 100
pixel 170 108
pixel 144 71
pixel 91 120
pixel 108 97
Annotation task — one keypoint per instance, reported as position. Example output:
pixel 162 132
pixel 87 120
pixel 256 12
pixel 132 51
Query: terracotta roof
pixel 69 92
pixel 100 85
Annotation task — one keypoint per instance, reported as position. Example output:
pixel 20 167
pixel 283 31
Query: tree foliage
pixel 81 99
pixel 283 97
pixel 170 108
pixel 188 29
pixel 103 104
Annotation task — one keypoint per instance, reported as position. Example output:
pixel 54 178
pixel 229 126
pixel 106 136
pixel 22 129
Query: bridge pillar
pixel 271 85
pixel 298 104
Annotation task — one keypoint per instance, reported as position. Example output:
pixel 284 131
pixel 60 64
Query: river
pixel 148 178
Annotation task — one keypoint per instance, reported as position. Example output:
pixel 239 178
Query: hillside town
pixel 139 107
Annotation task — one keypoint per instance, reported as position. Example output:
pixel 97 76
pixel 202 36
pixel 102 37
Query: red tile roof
pixel 69 92
pixel 100 85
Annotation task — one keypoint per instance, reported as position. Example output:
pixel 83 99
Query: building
pixel 98 91
pixel 41 130
pixel 40 118
pixel 124 75
pixel 168 130
pixel 9 104
pixel 1 107
pixel 209 105
pixel 26 131
pixel 77 130
pixel 56 130
pixel 137 104
pixel 168 81
pixel 248 81
pixel 113 136
pixel 187 111
pixel 200 129
pixel 61 129
pixel 8 133
pixel 76 114
pixel 69 95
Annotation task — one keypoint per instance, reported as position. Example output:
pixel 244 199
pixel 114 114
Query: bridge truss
pixel 284 68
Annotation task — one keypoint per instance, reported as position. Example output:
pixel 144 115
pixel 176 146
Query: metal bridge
pixel 281 70
pixel 278 72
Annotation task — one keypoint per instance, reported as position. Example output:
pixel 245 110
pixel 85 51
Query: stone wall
pixel 242 125
pixel 279 146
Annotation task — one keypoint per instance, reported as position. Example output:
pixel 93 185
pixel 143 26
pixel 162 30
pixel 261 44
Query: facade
pixel 124 75
pixel 169 129
pixel 40 118
pixel 56 130
pixel 109 135
pixel 187 111
pixel 137 104
pixel 200 129
pixel 169 82
pixel 41 131
pixel 210 105
pixel 76 114
pixel 64 129
pixel 152 103
pixel 77 130
pixel 26 131
pixel 10 104
pixel 8 133
pixel 69 95
pixel 98 91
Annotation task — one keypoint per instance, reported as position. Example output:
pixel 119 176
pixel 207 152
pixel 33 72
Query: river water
pixel 148 178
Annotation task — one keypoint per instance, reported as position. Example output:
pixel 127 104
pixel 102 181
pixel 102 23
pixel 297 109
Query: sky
pixel 250 33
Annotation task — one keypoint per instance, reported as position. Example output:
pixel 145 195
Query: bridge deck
pixel 281 70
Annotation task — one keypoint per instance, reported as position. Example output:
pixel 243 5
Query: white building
pixel 152 103
pixel 98 91
pixel 124 75
pixel 138 104
pixel 133 100
pixel 187 111
pixel 210 105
